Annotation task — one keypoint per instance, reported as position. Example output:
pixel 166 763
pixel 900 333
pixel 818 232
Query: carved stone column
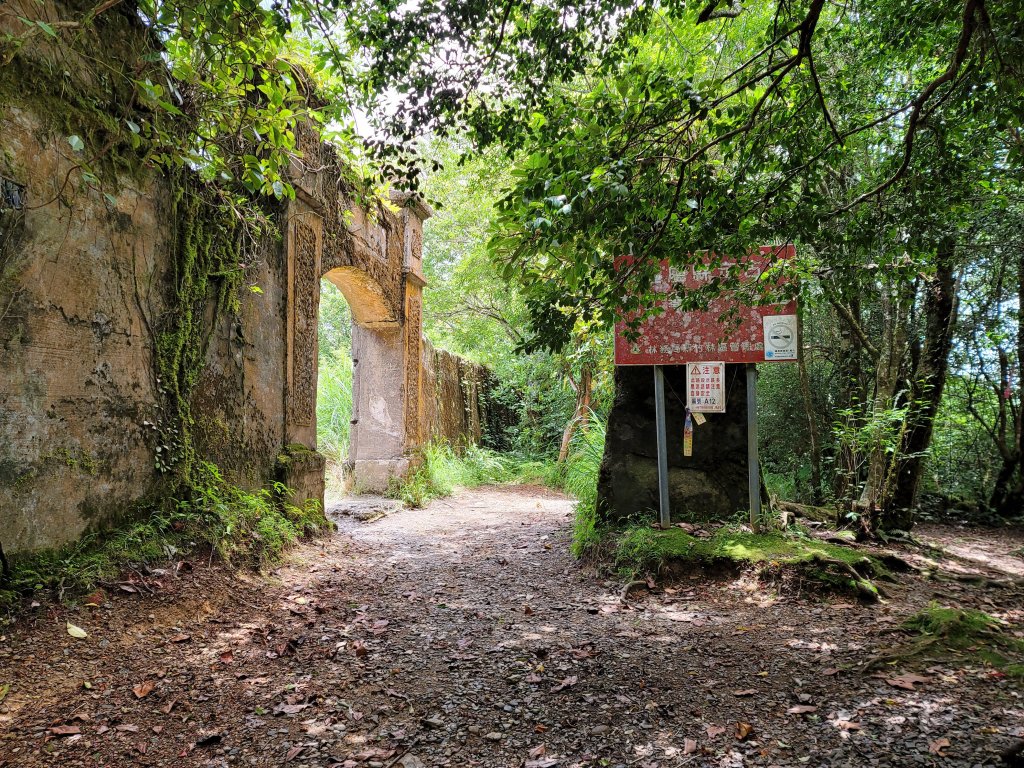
pixel 416 426
pixel 301 467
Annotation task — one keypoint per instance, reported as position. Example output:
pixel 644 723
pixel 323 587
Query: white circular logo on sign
pixel 780 336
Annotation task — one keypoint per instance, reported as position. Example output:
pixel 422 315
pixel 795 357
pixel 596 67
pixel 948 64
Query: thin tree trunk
pixel 1010 502
pixel 583 390
pixel 850 396
pixel 928 382
pixel 812 423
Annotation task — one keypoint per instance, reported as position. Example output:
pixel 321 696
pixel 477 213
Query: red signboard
pixel 750 334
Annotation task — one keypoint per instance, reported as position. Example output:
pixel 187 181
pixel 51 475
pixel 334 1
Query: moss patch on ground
pixel 964 633
pixel 643 549
pixel 245 528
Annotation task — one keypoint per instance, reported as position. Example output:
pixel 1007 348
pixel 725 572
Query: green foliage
pixel 334 376
pixel 207 267
pixel 245 528
pixel 579 479
pixel 444 469
pixel 471 310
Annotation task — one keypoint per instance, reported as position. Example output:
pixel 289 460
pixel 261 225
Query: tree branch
pixel 845 313
pixel 968 26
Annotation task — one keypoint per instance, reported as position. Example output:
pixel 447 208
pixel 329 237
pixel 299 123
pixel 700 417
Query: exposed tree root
pixel 901 653
pixel 865 587
pixel 626 589
pixel 808 512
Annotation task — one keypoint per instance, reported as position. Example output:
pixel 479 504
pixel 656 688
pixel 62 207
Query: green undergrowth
pixel 640 549
pixel 964 633
pixel 243 528
pixel 444 469
pixel 579 479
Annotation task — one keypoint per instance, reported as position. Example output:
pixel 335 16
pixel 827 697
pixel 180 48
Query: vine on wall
pixel 205 249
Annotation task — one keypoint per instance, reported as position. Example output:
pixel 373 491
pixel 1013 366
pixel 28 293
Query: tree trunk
pixel 812 422
pixel 929 380
pixel 850 395
pixel 1002 492
pixel 1007 495
pixel 583 392
pixel 877 492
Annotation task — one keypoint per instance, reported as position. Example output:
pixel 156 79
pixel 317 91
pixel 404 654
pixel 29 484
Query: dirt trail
pixel 466 635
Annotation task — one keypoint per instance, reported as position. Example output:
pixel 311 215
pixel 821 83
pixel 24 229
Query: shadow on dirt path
pixel 464 634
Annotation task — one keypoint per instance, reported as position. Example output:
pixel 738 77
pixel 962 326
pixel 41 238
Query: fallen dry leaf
pixel 77 632
pixel 227 657
pixel 689 746
pixel 907 681
pixel 143 689
pixel 538 751
pixel 569 682
pixel 801 709
pixel 714 730
pixel 743 730
pixel 65 730
pixel 937 746
pixel 747 692
pixel 293 753
pixel 846 725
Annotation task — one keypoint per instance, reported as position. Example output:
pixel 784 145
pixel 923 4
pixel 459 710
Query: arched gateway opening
pixel 376 447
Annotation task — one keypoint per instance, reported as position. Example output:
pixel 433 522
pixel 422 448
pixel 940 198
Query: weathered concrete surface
pixel 78 288
pixel 711 484
pixel 86 282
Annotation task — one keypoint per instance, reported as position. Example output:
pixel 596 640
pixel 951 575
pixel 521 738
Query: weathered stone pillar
pixel 300 466
pixel 416 427
pixel 377 440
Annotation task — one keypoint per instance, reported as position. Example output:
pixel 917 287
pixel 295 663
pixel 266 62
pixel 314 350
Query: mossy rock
pixel 968 634
pixel 647 550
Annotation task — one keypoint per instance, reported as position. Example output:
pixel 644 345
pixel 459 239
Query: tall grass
pixel 580 480
pixel 334 404
pixel 444 469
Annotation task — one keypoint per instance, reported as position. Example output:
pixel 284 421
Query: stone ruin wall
pixel 85 278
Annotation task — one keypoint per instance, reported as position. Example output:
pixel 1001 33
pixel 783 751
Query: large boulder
pixel 709 485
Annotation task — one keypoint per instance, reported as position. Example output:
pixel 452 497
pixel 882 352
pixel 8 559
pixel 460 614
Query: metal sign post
pixel 753 462
pixel 664 513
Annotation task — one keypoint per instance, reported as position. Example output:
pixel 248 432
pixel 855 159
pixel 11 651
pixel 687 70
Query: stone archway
pixel 375 261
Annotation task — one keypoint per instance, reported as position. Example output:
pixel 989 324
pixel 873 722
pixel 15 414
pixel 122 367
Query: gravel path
pixel 465 635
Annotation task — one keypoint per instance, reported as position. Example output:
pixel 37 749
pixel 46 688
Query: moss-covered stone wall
pixel 142 333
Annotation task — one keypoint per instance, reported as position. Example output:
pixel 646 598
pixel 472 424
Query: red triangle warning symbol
pixel 695 371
